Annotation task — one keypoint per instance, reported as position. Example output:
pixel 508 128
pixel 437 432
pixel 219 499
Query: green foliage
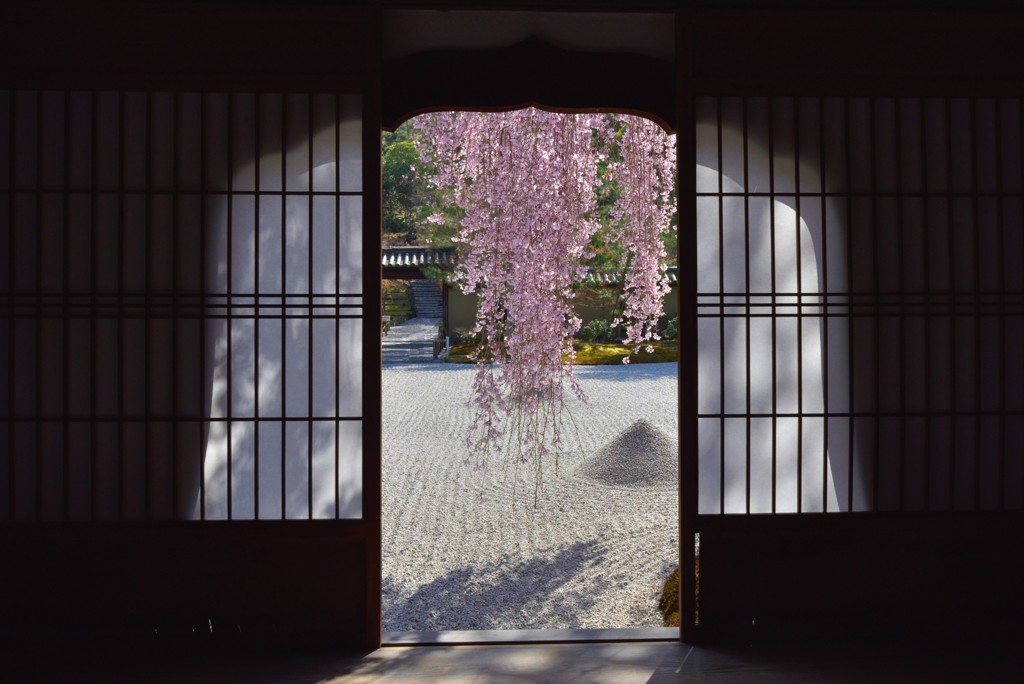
pixel 670 329
pixel 435 273
pixel 408 197
pixel 607 253
pixel 405 189
pixel 395 296
pixel 595 331
pixel 668 604
pixel 465 337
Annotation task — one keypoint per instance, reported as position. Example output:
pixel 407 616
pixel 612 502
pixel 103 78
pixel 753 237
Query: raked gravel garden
pixel 469 549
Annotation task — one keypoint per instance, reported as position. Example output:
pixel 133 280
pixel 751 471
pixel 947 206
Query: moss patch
pixel 593 353
pixel 607 353
pixel 668 605
pixel 459 353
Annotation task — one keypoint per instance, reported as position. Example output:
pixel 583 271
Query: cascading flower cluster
pixel 527 184
pixel 646 171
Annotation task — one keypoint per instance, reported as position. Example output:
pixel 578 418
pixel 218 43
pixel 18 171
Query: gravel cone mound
pixel 641 455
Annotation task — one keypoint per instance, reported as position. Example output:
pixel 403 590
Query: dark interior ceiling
pixel 524 75
pixel 508 59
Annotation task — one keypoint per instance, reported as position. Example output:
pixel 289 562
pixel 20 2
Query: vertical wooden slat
pixel 65 311
pixel 175 296
pixel 1001 334
pixel 121 204
pixel 851 384
pixel 746 280
pixel 203 186
pixel 94 126
pixel 953 305
pixel 284 310
pixel 825 300
pixel 928 296
pixel 902 294
pixel 257 302
pixel 147 321
pixel 12 351
pixel 876 317
pixel 371 236
pixel 688 330
pixel 337 301
pixel 721 315
pixel 774 301
pixel 229 322
pixel 1020 159
pixel 38 296
pixel 66 381
pixel 310 311
pixel 976 239
pixel 795 123
pixel 1020 191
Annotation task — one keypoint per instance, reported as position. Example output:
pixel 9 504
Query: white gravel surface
pixel 593 553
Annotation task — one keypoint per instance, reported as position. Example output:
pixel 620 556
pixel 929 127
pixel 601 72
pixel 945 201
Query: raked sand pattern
pixel 594 551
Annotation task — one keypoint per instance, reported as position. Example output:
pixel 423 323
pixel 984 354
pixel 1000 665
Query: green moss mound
pixel 668 604
pixel 607 353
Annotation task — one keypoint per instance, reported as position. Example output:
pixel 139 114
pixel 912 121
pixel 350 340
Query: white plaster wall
pixel 303 248
pixel 94 214
pixel 793 465
pixel 921 204
pixel 103 184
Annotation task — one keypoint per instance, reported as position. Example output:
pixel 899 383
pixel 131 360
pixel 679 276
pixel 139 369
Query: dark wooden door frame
pixel 640 88
pixel 773 53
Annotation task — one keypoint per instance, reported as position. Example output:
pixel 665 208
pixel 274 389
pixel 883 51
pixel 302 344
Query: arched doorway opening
pixel 497 61
pixel 465 550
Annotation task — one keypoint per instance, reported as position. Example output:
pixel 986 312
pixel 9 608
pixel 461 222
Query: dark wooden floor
pixel 622 663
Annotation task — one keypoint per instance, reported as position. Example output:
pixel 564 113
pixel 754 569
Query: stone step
pixel 426 298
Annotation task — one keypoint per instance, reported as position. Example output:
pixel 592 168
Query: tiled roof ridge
pixel 426 255
pixel 417 255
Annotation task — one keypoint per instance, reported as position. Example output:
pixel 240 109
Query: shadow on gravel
pixel 501 595
pixel 420 354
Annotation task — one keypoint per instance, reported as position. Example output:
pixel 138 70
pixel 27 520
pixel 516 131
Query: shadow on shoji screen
pixel 184 336
pixel 861 299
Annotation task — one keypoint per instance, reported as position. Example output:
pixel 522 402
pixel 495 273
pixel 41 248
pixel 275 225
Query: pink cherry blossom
pixel 526 182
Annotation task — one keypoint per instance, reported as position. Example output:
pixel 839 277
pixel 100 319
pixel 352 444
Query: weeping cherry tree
pixel 527 184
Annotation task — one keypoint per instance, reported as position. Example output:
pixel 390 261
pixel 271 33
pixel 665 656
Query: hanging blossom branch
pixel 526 182
pixel 645 170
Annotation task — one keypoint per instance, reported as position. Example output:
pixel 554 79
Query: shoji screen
pixel 182 306
pixel 861 304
